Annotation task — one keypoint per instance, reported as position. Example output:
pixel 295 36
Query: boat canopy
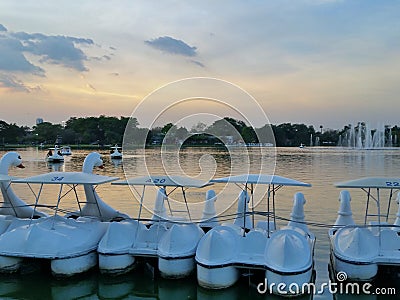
pixel 164 180
pixel 261 179
pixel 372 182
pixel 66 178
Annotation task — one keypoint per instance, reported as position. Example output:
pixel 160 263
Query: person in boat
pixel 50 153
pixel 59 152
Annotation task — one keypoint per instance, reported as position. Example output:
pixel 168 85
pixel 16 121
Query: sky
pixel 317 62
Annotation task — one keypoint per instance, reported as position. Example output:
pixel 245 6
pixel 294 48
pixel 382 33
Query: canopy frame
pixel 247 181
pixel 164 181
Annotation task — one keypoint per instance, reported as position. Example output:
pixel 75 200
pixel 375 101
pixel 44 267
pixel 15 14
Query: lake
pixel 319 166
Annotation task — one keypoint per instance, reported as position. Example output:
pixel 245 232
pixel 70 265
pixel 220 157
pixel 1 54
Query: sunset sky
pixel 318 62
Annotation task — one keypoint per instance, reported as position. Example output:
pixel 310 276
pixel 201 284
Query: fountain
pixel 362 137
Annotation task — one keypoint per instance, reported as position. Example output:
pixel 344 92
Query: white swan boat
pixel 361 250
pixel 171 239
pixel 115 153
pixel 70 243
pixel 66 150
pixel 285 255
pixel 12 205
pixel 54 155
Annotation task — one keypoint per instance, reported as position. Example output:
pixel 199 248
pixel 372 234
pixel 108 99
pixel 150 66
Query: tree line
pixel 106 130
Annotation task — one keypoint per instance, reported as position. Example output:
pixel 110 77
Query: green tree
pixel 47 132
pixel 11 133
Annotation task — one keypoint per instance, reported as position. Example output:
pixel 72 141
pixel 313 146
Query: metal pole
pixel 36 202
pixel 187 207
pixel 252 202
pixel 268 196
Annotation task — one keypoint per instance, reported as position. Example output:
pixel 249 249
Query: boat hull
pixel 9 264
pixel 289 284
pixel 355 270
pixel 75 265
pixel 55 160
pixel 217 278
pixel 116 264
pixel 176 267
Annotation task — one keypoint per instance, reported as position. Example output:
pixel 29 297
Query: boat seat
pixel 390 240
pixel 374 226
pixel 148 239
pixel 266 225
pixel 252 248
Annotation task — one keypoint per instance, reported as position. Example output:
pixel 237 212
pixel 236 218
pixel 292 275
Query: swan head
pixel 344 196
pixel 299 199
pixel 10 159
pixel 91 161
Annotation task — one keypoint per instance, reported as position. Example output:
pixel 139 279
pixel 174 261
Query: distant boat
pixel 301 145
pixel 66 150
pixel 115 153
pixel 54 155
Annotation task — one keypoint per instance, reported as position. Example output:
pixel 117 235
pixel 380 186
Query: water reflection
pixel 137 285
pixel 116 162
pixel 319 166
pixel 56 167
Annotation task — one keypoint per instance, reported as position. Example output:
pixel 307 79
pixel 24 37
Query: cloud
pixel 58 50
pixel 12 58
pixel 16 49
pixel 197 63
pixel 172 46
pixel 91 87
pixel 52 49
pixel 11 82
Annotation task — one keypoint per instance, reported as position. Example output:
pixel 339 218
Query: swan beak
pixel 101 167
pixel 21 166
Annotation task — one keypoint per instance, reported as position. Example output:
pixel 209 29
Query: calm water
pixel 319 166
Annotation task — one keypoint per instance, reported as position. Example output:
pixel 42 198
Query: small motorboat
pixel 54 155
pixel 171 239
pixel 69 241
pixel 362 250
pixel 115 153
pixel 284 255
pixel 66 150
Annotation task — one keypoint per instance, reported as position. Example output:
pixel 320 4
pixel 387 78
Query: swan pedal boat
pixel 170 239
pixel 69 243
pixel 66 150
pixel 115 153
pixel 8 210
pixel 56 156
pixel 12 206
pixel 284 255
pixel 362 250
